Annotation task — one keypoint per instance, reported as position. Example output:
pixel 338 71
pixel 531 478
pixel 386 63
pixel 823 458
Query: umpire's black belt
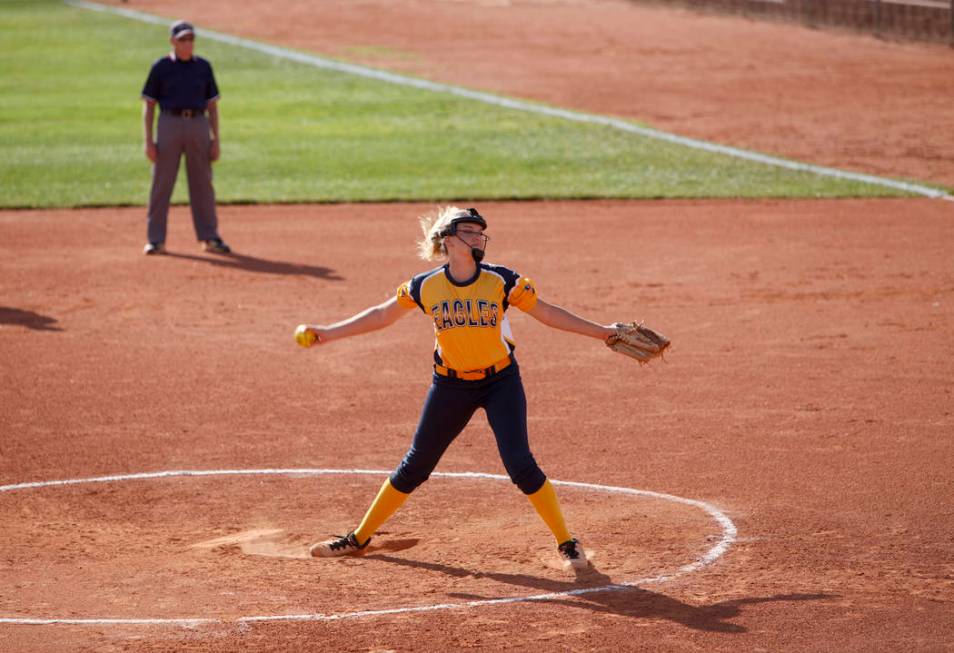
pixel 475 375
pixel 185 113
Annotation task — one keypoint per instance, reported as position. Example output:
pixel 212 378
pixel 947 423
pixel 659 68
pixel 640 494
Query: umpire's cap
pixel 181 28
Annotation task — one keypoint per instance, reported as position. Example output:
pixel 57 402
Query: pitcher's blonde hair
pixel 431 246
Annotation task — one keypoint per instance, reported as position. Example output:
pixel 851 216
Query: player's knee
pixel 528 476
pixel 408 477
pixel 404 484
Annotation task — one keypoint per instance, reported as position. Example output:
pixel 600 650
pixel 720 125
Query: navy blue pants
pixel 449 406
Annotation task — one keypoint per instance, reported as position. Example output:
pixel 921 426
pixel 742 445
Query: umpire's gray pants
pixel 178 136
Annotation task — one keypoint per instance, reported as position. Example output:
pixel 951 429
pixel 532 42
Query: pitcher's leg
pixel 199 172
pixel 385 504
pixel 169 146
pixel 506 410
pixel 506 407
pixel 445 414
pixel 545 502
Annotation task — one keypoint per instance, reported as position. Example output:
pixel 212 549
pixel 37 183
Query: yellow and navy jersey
pixel 470 323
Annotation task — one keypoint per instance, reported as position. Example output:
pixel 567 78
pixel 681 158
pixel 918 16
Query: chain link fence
pixel 925 20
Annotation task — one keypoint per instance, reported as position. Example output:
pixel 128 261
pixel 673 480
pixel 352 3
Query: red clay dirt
pixel 807 395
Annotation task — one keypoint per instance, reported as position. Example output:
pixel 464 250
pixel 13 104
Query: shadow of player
pixel 608 597
pixel 28 319
pixel 261 265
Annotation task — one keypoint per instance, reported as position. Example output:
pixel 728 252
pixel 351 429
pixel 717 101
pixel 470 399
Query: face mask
pixel 478 254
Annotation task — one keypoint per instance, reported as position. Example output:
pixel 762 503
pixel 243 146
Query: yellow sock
pixel 384 505
pixel 545 502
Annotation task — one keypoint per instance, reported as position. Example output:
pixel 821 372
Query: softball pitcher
pixel 474 367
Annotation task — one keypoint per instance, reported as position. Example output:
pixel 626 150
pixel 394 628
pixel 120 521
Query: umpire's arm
pixel 148 118
pixel 215 145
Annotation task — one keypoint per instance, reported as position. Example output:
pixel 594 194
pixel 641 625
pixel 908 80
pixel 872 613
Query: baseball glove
pixel 637 341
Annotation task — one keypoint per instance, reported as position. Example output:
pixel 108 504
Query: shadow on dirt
pixel 261 265
pixel 27 319
pixel 622 600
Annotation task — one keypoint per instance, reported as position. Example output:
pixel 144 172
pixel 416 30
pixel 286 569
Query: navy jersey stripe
pixel 418 281
pixel 509 277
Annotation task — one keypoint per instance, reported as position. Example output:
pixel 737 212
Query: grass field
pixel 70 129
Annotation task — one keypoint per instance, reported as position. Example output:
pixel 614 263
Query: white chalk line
pixel 729 533
pixel 529 107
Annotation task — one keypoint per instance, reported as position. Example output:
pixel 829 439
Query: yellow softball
pixel 304 337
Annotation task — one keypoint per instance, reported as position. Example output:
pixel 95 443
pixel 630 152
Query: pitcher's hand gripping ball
pixel 637 341
pixel 304 336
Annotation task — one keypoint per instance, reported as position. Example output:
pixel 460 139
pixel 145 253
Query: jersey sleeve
pixel 409 294
pixel 523 295
pixel 404 295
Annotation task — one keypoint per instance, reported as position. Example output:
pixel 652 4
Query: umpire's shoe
pixel 573 555
pixel 339 546
pixel 216 246
pixel 152 249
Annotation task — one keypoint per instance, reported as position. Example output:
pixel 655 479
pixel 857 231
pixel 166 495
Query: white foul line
pixel 520 105
pixel 728 537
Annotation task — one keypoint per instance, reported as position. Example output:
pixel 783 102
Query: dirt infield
pixel 786 402
pixel 896 19
pixel 807 396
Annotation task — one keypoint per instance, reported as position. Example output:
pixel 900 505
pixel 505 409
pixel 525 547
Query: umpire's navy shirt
pixel 178 84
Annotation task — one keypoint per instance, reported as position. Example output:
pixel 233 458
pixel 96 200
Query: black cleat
pixel 572 555
pixel 216 246
pixel 341 545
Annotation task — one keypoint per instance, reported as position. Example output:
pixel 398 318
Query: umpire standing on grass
pixel 184 87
